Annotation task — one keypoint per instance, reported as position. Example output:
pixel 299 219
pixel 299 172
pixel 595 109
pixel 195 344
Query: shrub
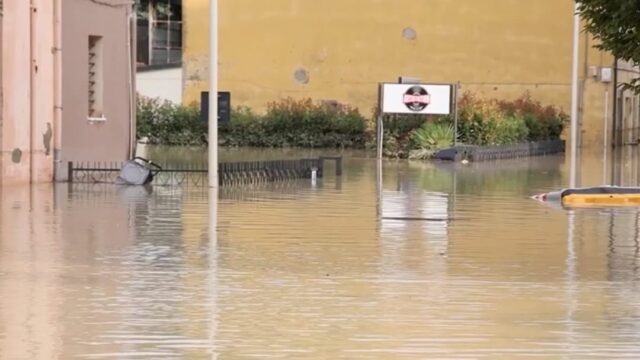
pixel 163 122
pixel 244 129
pixel 543 122
pixel 511 130
pixel 429 138
pixel 296 123
pixel 497 122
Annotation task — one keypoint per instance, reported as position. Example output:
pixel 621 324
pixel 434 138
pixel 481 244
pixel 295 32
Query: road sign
pixel 422 99
pixel 224 107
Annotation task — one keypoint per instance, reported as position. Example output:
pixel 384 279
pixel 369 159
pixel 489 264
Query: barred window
pixel 95 76
pixel 159 32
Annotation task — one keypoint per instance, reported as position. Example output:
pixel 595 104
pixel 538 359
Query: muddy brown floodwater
pixel 302 271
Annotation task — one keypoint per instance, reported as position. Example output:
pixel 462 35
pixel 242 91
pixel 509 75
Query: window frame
pixel 159 53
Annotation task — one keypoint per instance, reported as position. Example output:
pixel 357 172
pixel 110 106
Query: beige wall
pixel 108 140
pixel 499 48
pixel 36 90
pixel 26 65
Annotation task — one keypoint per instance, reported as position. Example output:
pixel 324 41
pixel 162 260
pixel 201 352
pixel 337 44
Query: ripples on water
pixel 300 271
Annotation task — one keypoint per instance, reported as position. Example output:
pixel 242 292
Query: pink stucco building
pixel 67 75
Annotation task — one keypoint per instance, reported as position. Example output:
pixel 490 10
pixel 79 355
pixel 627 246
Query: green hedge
pixel 483 122
pixel 302 123
pixel 500 122
pixel 296 123
pixel 164 123
pixel 288 123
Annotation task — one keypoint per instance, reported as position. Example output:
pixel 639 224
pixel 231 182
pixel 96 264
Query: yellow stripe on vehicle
pixel 602 199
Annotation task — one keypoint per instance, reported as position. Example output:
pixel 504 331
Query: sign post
pixel 409 99
pixel 224 107
pixel 379 124
pixel 455 116
pixel 412 99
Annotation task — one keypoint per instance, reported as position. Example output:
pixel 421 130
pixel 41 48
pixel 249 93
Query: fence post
pixel 70 171
pixel 339 166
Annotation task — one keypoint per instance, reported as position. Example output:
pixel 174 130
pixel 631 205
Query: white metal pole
pixel 380 122
pixel 455 116
pixel 574 96
pixel 214 312
pixel 380 135
pixel 213 94
pixel 605 136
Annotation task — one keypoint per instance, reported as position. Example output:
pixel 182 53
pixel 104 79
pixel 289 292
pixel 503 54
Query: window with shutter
pixel 95 76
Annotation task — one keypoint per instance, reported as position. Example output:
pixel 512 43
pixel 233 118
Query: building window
pixel 159 32
pixel 95 78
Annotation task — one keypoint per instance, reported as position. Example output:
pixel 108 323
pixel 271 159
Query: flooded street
pixel 302 271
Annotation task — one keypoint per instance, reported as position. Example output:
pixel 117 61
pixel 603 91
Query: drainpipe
pixel 57 90
pixel 1 95
pixel 32 85
pixel 615 103
pixel 131 81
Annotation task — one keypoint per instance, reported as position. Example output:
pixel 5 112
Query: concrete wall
pixel 81 139
pixel 341 49
pixel 165 84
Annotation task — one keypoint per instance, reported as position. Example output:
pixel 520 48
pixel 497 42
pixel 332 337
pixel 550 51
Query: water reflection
pixel 293 270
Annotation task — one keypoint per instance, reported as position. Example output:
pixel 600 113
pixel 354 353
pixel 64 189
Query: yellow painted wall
pixel 499 48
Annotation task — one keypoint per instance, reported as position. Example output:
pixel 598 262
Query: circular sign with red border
pixel 416 98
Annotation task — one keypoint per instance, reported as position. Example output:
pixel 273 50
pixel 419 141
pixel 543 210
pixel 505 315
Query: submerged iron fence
pixel 229 173
pixel 495 152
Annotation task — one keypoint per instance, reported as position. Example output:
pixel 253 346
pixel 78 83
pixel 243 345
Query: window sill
pixel 146 68
pixel 96 120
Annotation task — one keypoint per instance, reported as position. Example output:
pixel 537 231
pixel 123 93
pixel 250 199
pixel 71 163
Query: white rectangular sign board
pixel 416 99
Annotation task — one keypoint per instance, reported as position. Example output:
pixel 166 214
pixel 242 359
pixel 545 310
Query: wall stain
pixel 16 155
pixel 301 76
pixel 409 33
pixel 46 139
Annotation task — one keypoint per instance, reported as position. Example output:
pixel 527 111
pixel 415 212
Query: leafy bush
pixel 163 122
pixel 511 130
pixel 543 122
pixel 296 123
pixel 498 122
pixel 397 132
pixel 303 123
pixel 429 138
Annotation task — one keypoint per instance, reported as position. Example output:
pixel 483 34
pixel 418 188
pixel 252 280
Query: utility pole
pixel 574 96
pixel 213 94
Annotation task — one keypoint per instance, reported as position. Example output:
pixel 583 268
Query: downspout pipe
pixel 1 85
pixel 57 91
pixel 131 19
pixel 32 86
pixel 614 128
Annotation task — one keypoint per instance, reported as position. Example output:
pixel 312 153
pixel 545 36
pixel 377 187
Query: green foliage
pixel 615 24
pixel 296 123
pixel 169 124
pixel 512 130
pixel 429 138
pixel 302 123
pixel 499 122
pixel 543 122
pixel 288 123
pixel 397 132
